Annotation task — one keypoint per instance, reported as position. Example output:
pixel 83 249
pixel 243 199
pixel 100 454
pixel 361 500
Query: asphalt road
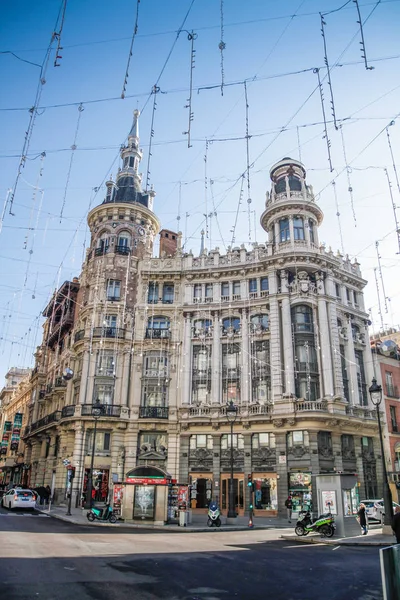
pixel 45 559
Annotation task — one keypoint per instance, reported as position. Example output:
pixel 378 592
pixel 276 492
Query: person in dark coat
pixel 396 524
pixel 362 519
pixel 289 508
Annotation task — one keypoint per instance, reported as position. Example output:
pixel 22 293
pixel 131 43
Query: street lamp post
pixel 97 411
pixel 375 392
pixel 231 414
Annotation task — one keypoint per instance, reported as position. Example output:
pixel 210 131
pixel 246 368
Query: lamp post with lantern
pixel 231 415
pixel 375 392
pixel 97 411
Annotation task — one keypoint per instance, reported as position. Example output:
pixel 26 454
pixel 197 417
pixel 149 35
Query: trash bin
pixel 183 518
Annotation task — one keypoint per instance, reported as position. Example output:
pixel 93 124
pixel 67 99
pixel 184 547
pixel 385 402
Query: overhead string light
pixel 338 216
pixel 222 46
pixel 135 30
pixel 362 43
pixel 248 159
pixel 323 23
pixel 71 160
pixel 233 230
pixel 325 136
pixel 36 189
pixel 154 91
pixel 381 276
pixel 191 37
pixel 394 209
pixel 57 34
pixel 206 184
pixel 379 298
pixel 348 171
pixel 178 218
pixel 391 154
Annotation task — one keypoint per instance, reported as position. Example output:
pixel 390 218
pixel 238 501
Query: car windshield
pixel 23 493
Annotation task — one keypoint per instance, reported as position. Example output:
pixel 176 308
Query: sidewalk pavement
pixel 374 538
pixel 199 521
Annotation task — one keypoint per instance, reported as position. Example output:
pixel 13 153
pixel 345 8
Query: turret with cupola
pixel 291 217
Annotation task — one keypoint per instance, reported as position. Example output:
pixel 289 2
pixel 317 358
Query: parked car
pixel 375 509
pixel 19 498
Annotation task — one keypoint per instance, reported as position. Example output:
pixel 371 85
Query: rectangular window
pixel 225 289
pixel 103 441
pixel 197 290
pixel 103 393
pixel 230 360
pixel 284 232
pixel 393 418
pixel 153 293
pixel 297 438
pixel 345 375
pixel 230 391
pixel 264 284
pixel 154 394
pixel 337 288
pixel 168 293
pixel 361 383
pixel 201 441
pixel 391 391
pixel 237 441
pixel 155 365
pixel 263 440
pixel 105 364
pixel 355 298
pixel 253 286
pixel 348 295
pixel 110 321
pixel 298 228
pixel 311 230
pixel 236 288
pixel 113 289
pixel 209 290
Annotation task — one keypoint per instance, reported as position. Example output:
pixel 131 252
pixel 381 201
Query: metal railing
pixel 122 250
pixel 100 251
pixel 153 412
pixel 108 410
pixel 79 335
pixel 392 391
pixel 157 334
pixel 108 332
pixel 68 411
pixel 60 382
pixel 47 420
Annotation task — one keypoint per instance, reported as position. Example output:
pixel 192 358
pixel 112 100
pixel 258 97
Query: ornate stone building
pixel 165 343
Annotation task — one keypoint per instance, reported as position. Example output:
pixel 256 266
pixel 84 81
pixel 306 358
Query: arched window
pixel 202 327
pixel 294 183
pixel 284 232
pixel 355 330
pixel 229 324
pixel 103 243
pixel 298 228
pixel 259 322
pixel 124 243
pixel 302 318
pixel 158 327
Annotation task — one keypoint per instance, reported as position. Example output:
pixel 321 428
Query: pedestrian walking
pixel 362 519
pixel 396 524
pixel 289 507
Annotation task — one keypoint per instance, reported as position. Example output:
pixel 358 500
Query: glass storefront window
pixel 300 490
pixel 350 502
pixel 265 493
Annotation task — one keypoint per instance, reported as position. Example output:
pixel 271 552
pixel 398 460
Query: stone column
pixel 78 461
pixel 351 366
pixel 186 361
pixel 324 337
pixel 184 459
pixel 315 470
pixel 216 361
pixel 83 396
pixel 173 454
pixel 117 454
pixel 245 377
pixel 275 348
pixel 282 471
pixel 287 336
pixel 125 378
pixel 337 451
pixel 333 326
pixel 217 468
pixel 276 239
pixel 131 448
pixel 370 369
pixel 291 229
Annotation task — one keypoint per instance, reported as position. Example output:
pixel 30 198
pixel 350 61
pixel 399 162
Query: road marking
pixel 336 548
pixel 305 546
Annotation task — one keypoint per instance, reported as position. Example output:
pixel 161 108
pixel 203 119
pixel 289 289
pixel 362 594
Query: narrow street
pixel 44 558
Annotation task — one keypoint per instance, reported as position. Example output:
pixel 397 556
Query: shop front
pixel 265 494
pixel 238 493
pixel 100 487
pixel 145 495
pixel 201 491
pixel 301 490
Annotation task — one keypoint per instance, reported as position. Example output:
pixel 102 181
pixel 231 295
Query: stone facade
pixel 165 343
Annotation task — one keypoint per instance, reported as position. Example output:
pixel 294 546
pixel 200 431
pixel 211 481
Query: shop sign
pixel 117 498
pixel 147 480
pixel 282 459
pixel 16 432
pixel 6 437
pixel 329 502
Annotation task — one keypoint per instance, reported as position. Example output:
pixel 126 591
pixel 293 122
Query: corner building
pixel 165 343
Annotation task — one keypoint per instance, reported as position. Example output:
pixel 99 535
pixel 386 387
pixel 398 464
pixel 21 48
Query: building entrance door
pixel 238 492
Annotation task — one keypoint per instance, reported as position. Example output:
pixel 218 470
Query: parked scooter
pixel 214 517
pixel 324 524
pixel 101 514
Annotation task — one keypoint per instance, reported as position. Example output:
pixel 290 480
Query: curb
pixel 333 542
pixel 165 529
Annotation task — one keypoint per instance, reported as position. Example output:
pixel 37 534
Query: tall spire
pixel 134 132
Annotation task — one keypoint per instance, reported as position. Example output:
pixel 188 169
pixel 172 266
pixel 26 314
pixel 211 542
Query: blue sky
pixel 265 44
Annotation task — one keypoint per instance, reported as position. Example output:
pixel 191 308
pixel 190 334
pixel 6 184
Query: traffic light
pixel 250 483
pixel 71 473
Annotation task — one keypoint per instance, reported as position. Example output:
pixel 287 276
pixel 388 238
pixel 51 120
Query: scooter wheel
pixel 299 530
pixel 327 531
pixel 209 523
pixel 90 517
pixel 112 518
pixel 218 522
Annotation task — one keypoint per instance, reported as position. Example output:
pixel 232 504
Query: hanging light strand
pixel 348 171
pixel 71 159
pixel 135 30
pixel 154 91
pixel 325 136
pixel 248 160
pixel 222 46
pixel 191 37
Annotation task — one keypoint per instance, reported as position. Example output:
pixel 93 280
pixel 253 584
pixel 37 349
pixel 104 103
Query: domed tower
pixel 291 216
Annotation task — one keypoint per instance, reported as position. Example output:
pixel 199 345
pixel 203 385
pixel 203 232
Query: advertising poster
pixel 117 499
pixel 16 431
pixel 144 502
pixel 329 502
pixel 6 437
